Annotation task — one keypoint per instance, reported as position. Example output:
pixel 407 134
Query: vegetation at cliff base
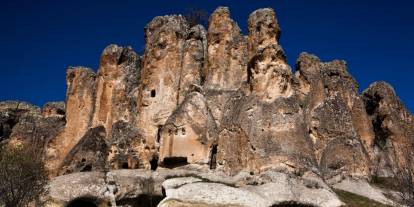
pixel 23 175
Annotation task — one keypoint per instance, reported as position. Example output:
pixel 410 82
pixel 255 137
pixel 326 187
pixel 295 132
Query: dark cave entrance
pixel 154 163
pixel 173 162
pixel 213 157
pixel 159 133
pixel 82 202
pixel 291 204
pixel 141 201
pixel 125 165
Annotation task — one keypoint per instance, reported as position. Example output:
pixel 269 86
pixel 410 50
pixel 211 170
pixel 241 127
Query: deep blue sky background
pixel 40 39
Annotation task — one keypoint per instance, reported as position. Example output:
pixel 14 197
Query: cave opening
pixel 159 133
pixel 213 157
pixel 87 168
pixel 1 130
pixel 141 201
pixel 154 163
pixel 173 162
pixel 82 202
pixel 153 93
pixel 124 165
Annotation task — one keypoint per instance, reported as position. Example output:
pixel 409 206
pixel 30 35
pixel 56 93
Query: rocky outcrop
pixel 173 61
pixel 189 188
pixel 193 125
pixel 52 109
pixel 11 113
pixel 117 87
pixel 194 55
pixel 265 128
pixel 90 153
pixel 226 62
pixel 80 99
pixel 227 52
pixel 336 119
pixel 394 130
pixel 215 118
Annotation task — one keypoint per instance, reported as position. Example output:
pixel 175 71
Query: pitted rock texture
pixel 224 112
pixel 80 98
pixel 193 125
pixel 336 118
pixel 393 127
pixel 173 62
pixel 117 87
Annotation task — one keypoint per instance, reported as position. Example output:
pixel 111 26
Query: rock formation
pixel 215 118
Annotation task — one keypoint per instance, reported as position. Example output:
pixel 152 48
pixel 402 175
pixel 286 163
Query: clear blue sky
pixel 40 39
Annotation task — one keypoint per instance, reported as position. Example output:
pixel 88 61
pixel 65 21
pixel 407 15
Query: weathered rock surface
pixel 190 188
pixel 394 130
pixel 226 63
pixel 90 153
pixel 117 87
pixel 79 111
pixel 193 125
pixel 52 109
pixel 225 113
pixel 336 119
pixel 11 112
pixel 265 129
pixel 173 62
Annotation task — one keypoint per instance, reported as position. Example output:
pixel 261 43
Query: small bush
pixel 23 175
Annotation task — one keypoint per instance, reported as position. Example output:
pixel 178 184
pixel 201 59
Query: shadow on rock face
pixel 82 202
pixel 290 204
pixel 141 201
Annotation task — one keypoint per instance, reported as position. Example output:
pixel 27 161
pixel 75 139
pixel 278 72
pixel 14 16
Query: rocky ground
pixel 210 117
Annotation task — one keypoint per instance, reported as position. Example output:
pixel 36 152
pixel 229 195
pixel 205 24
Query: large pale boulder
pixel 277 189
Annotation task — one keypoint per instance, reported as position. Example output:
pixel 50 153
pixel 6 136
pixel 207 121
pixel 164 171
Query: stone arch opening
pixel 173 162
pixel 86 168
pixel 213 157
pixel 125 165
pixel 82 202
pixel 154 163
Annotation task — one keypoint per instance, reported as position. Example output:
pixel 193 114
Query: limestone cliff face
pixel 221 103
pixel 337 122
pixel 117 87
pixel 393 126
pixel 80 99
pixel 268 123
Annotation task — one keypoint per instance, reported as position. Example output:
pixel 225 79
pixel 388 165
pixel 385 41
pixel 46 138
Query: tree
pixel 22 175
pixel 196 16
